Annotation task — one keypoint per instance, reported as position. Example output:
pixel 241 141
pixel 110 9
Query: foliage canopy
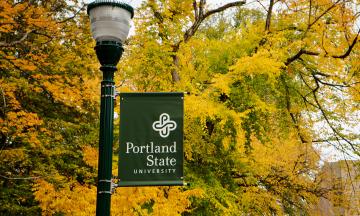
pixel 266 87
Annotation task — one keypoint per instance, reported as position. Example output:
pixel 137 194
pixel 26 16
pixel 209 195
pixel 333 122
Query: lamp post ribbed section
pixel 109 54
pixel 106 141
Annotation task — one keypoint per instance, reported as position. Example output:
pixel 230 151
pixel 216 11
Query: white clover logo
pixel 164 125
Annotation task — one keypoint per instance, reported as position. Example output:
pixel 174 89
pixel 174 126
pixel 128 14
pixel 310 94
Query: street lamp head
pixel 110 20
pixel 110 25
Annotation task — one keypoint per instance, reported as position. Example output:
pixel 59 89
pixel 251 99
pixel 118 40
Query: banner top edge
pixel 135 94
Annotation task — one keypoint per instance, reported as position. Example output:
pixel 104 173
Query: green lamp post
pixel 110 24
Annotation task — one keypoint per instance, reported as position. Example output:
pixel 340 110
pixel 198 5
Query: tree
pixel 48 106
pixel 261 82
pixel 266 84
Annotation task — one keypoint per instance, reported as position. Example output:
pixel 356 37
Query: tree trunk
pixel 268 16
pixel 174 73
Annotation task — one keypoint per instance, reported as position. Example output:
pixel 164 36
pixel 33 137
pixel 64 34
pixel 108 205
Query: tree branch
pixel 201 7
pixel 310 11
pixel 322 14
pixel 20 178
pixel 347 53
pixel 258 1
pixel 312 53
pixel 200 16
pixel 4 136
pixel 74 15
pixel 327 119
pixel 307 52
pixel 224 7
pixel 13 43
pixel 299 54
pixel 196 10
pixel 288 107
pixel 4 100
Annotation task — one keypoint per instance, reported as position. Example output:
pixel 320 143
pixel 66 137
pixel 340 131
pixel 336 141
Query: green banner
pixel 151 139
